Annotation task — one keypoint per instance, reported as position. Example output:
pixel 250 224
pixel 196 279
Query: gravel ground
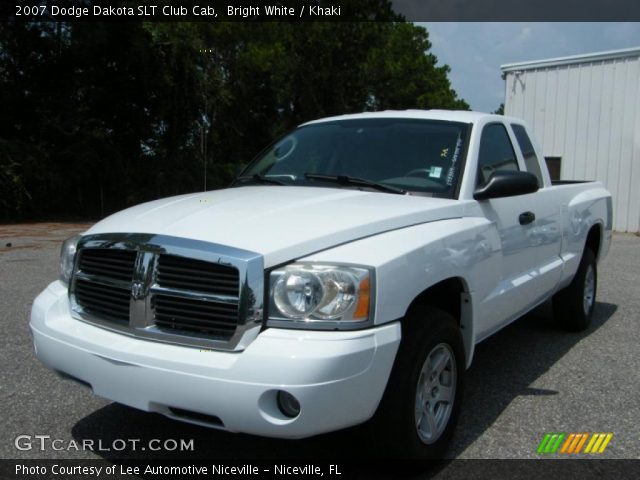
pixel 527 380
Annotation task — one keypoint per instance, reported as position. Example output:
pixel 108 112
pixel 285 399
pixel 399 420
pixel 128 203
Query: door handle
pixel 526 218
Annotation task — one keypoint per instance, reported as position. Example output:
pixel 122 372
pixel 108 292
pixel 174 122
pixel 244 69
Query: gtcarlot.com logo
pixel 574 443
pixel 46 442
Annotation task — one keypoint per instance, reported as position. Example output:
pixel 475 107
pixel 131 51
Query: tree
pixel 405 75
pixel 99 116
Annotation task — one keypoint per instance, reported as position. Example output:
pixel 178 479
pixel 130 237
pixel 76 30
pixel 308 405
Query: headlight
pixel 320 296
pixel 67 257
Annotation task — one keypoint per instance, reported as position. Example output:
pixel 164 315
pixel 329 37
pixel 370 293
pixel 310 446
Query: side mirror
pixel 507 183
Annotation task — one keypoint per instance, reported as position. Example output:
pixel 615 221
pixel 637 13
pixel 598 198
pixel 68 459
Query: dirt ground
pixel 37 235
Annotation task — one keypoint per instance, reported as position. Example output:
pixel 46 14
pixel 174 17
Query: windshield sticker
pixel 285 148
pixel 444 152
pixel 435 172
pixel 454 160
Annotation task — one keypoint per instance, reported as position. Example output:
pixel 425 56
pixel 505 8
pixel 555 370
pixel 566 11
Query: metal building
pixel 585 112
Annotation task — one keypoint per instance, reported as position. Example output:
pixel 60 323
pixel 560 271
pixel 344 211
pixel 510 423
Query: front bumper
pixel 338 377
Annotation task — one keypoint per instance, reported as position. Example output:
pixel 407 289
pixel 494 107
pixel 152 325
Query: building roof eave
pixel 573 59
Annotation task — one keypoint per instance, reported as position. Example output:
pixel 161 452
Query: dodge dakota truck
pixel 344 277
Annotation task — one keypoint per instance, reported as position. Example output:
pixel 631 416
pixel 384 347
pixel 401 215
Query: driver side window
pixel 496 152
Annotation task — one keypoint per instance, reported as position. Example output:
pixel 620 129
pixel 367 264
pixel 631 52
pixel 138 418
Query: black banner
pixel 315 469
pixel 321 10
pixel 518 10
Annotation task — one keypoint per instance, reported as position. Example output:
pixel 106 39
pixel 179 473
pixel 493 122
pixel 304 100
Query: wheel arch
pixel 594 239
pixel 452 296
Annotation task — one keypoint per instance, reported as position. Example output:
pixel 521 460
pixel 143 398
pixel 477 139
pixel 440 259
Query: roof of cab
pixel 447 115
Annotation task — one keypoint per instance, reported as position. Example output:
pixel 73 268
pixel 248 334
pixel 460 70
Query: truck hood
pixel 281 223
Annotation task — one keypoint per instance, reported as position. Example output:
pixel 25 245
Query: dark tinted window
pixel 496 152
pixel 528 152
pixel 554 166
pixel 422 156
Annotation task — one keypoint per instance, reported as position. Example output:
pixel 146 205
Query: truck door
pixel 547 234
pixel 516 288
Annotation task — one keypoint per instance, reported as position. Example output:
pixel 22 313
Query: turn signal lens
pixel 362 309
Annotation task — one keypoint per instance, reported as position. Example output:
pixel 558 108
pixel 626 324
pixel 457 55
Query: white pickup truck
pixel 346 275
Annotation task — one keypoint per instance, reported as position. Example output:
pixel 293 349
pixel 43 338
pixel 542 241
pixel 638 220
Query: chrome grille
pixel 169 289
pixel 195 316
pixel 110 263
pixel 98 268
pixel 98 299
pixel 197 275
pixel 214 315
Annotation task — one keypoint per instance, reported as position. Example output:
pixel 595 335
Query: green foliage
pixel 13 194
pixel 100 116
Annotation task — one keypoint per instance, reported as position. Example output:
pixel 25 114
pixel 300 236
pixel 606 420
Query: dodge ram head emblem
pixel 136 290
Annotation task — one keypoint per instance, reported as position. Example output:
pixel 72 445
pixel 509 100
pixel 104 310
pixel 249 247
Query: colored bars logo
pixel 572 443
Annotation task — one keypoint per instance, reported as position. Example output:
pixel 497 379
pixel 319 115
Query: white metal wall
pixel 588 114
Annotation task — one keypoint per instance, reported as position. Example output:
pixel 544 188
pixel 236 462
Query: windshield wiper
pixel 348 180
pixel 256 177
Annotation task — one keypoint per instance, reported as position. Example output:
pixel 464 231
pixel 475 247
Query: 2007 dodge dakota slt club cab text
pixel 346 275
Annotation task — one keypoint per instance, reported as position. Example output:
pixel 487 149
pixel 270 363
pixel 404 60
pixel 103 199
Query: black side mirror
pixel 507 183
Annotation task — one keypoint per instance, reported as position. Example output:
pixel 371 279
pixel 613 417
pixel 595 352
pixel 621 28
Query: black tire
pixel 569 304
pixel 425 331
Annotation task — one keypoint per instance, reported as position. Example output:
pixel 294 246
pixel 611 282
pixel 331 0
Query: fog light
pixel 288 404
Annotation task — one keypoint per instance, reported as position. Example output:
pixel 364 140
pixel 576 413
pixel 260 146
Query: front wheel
pixel 420 408
pixel 435 393
pixel 573 306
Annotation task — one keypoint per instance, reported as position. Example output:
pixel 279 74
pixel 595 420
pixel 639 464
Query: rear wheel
pixel 419 411
pixel 573 306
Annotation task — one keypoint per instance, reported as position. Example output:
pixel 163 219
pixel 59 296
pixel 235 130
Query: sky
pixel 475 51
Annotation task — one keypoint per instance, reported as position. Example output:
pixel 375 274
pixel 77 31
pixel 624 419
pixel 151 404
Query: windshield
pixel 417 156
